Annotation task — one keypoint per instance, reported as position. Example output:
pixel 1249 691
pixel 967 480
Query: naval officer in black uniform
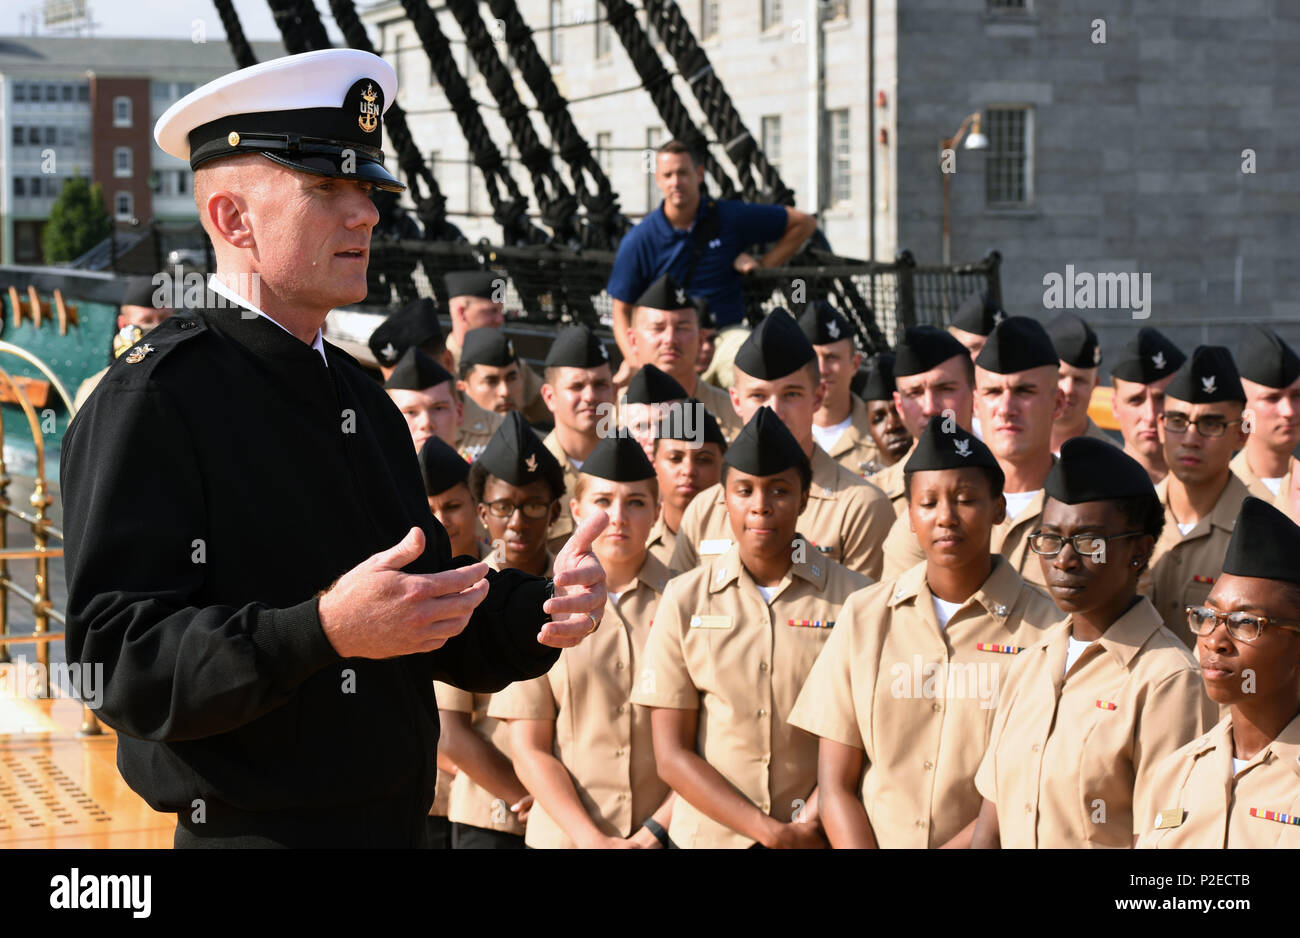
pixel 250 554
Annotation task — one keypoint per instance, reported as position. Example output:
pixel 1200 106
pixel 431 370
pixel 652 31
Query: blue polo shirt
pixel 654 248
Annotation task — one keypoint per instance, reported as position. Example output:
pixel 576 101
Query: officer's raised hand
pixel 377 611
pixel 579 599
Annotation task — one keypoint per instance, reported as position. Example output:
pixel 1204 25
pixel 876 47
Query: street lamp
pixel 976 141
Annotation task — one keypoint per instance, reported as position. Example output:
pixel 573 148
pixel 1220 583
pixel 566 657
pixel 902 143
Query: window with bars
pixel 709 17
pixel 557 35
pixel 771 134
pixel 654 138
pixel 1007 168
pixel 604 154
pixel 773 15
pixel 841 156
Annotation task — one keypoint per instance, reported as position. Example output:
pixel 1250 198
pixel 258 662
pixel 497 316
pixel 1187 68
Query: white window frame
pixel 833 196
pixel 555 38
pixel 771 140
pixel 118 213
pixel 604 151
pixel 121 171
pixel 710 18
pixel 121 118
pixel 771 14
pixel 990 128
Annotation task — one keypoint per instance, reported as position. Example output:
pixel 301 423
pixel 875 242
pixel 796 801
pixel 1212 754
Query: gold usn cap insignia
pixel 369 118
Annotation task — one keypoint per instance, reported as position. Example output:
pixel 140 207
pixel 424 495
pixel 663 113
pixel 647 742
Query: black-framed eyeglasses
pixel 1049 545
pixel 1209 427
pixel 1242 626
pixel 504 508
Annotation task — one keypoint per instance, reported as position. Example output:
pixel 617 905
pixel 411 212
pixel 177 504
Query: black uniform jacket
pixel 212 489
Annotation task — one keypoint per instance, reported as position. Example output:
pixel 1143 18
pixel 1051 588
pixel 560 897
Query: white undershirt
pixel 943 610
pixel 827 437
pixel 1016 502
pixel 976 430
pixel 613 596
pixel 1273 485
pixel 1076 649
pixel 768 592
pixel 1238 764
pixel 577 463
pixel 218 287
pixel 1185 528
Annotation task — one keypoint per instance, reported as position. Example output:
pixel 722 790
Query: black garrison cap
pixel 954 448
pixel 823 324
pixel 701 305
pixel 416 371
pixel 766 447
pixel 665 293
pixel 515 454
pixel 1266 359
pixel 619 459
pixel 653 386
pixel 1017 344
pixel 1092 470
pixel 1075 342
pixel 676 428
pixel 1149 356
pixel 416 323
pixel 441 466
pixel 1208 377
pixel 483 284
pixel 139 292
pixel 487 346
pixel 1265 543
pixel 878 383
pixel 776 348
pixel 978 314
pixel 923 348
pixel 576 347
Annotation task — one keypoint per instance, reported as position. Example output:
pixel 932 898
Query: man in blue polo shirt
pixel 665 242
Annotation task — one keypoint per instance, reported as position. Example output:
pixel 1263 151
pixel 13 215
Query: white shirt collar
pixel 217 286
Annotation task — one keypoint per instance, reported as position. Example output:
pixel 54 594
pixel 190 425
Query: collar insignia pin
pixel 138 354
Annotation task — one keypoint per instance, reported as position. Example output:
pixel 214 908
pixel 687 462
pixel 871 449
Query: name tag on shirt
pixel 1170 817
pixel 716 545
pixel 710 622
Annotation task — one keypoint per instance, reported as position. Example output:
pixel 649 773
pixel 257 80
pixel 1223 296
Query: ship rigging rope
pixel 658 83
pixel 239 46
pixel 606 223
pixel 558 206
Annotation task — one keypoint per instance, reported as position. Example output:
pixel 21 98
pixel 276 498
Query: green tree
pixel 78 221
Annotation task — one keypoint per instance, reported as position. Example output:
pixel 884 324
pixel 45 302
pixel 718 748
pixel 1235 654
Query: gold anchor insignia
pixel 369 119
pixel 138 354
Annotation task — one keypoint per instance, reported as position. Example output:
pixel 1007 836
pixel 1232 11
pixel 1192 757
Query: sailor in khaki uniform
pixel 580 746
pixel 732 643
pixel 846 518
pixel 579 392
pixel 687 460
pixel 1239 784
pixel 890 434
pixel 1288 493
pixel 425 394
pixel 1270 376
pixel 932 376
pixel 1089 709
pixel 476 428
pixel 1146 366
pixel 976 317
pixel 1016 399
pixel 1200 429
pixel 415 324
pixel 488 371
pixel 840 425
pixel 906 686
pixel 1079 350
pixel 476 301
pixel 646 401
pixel 665 332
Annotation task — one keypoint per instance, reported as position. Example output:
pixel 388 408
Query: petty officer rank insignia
pixel 365 99
pixel 999 649
pixel 812 623
pixel 138 354
pixel 1280 816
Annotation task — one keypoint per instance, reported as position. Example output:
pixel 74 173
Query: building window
pixel 52 93
pixel 837 10
pixel 123 206
pixel 121 112
pixel 1014 6
pixel 772 140
pixel 67 93
pixel 83 94
pixel 34 186
pixel 772 14
pixel 34 136
pixel 182 182
pixel 604 38
pixel 604 145
pixel 20 187
pixel 654 138
pixel 20 92
pixel 709 16
pixel 160 90
pixel 557 37
pixel 841 180
pixel 1008 168
pixel 51 136
pixel 122 162
pixel 20 136
pixel 435 159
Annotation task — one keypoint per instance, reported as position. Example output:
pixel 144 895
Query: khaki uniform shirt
pixel 1240 467
pixel 846 520
pixel 83 392
pixel 468 802
pixel 600 737
pixel 1071 753
pixel 1010 539
pixel 718 648
pixel 1196 800
pixel 890 481
pixel 1097 433
pixel 856 448
pixel 1282 500
pixel 718 402
pixel 661 543
pixel 476 428
pixel 1184 566
pixel 919 699
pixel 558 534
